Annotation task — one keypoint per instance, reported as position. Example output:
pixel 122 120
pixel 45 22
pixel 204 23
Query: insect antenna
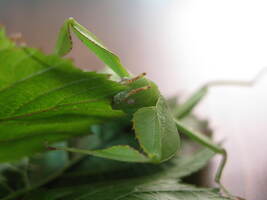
pixel 129 81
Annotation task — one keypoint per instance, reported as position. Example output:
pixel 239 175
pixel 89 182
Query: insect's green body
pixel 130 103
pixel 155 126
pixel 152 121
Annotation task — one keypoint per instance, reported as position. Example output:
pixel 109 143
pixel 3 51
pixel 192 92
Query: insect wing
pixel 156 131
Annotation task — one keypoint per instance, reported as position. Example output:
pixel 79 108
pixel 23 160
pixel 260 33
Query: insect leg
pixel 185 109
pixel 64 45
pixel 205 141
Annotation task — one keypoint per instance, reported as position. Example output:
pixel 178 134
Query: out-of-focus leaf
pixel 45 164
pixel 141 181
pixel 134 189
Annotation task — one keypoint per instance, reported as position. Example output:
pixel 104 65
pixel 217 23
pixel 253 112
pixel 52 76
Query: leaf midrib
pixel 48 68
pixel 38 73
pixel 46 110
pixel 54 90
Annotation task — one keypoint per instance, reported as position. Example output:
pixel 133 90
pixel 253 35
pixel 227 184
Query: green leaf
pixel 137 190
pixel 64 45
pixel 186 165
pixel 160 184
pixel 44 99
pixel 156 131
pixel 178 167
pixel 138 179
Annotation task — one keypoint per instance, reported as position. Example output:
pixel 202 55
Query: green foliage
pixel 141 181
pixel 46 99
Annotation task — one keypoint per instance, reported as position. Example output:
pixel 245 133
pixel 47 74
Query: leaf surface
pixel 136 190
pixel 157 184
pixel 44 99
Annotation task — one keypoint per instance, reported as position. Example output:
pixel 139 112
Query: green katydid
pixel 156 128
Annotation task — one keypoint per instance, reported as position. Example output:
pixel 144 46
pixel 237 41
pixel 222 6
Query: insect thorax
pixel 140 93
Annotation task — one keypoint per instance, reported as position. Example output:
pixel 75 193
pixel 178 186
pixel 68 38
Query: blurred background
pixel 181 44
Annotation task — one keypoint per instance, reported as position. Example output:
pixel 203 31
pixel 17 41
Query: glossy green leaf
pixel 64 45
pixel 44 99
pixel 156 131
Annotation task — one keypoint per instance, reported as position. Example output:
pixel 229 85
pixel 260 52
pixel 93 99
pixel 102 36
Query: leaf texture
pixel 44 99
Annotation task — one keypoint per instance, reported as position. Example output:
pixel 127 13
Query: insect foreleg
pixel 64 45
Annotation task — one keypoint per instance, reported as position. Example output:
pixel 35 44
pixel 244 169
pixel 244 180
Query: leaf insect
pixel 156 128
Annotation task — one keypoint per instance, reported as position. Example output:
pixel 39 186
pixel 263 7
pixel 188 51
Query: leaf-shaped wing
pixel 156 131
